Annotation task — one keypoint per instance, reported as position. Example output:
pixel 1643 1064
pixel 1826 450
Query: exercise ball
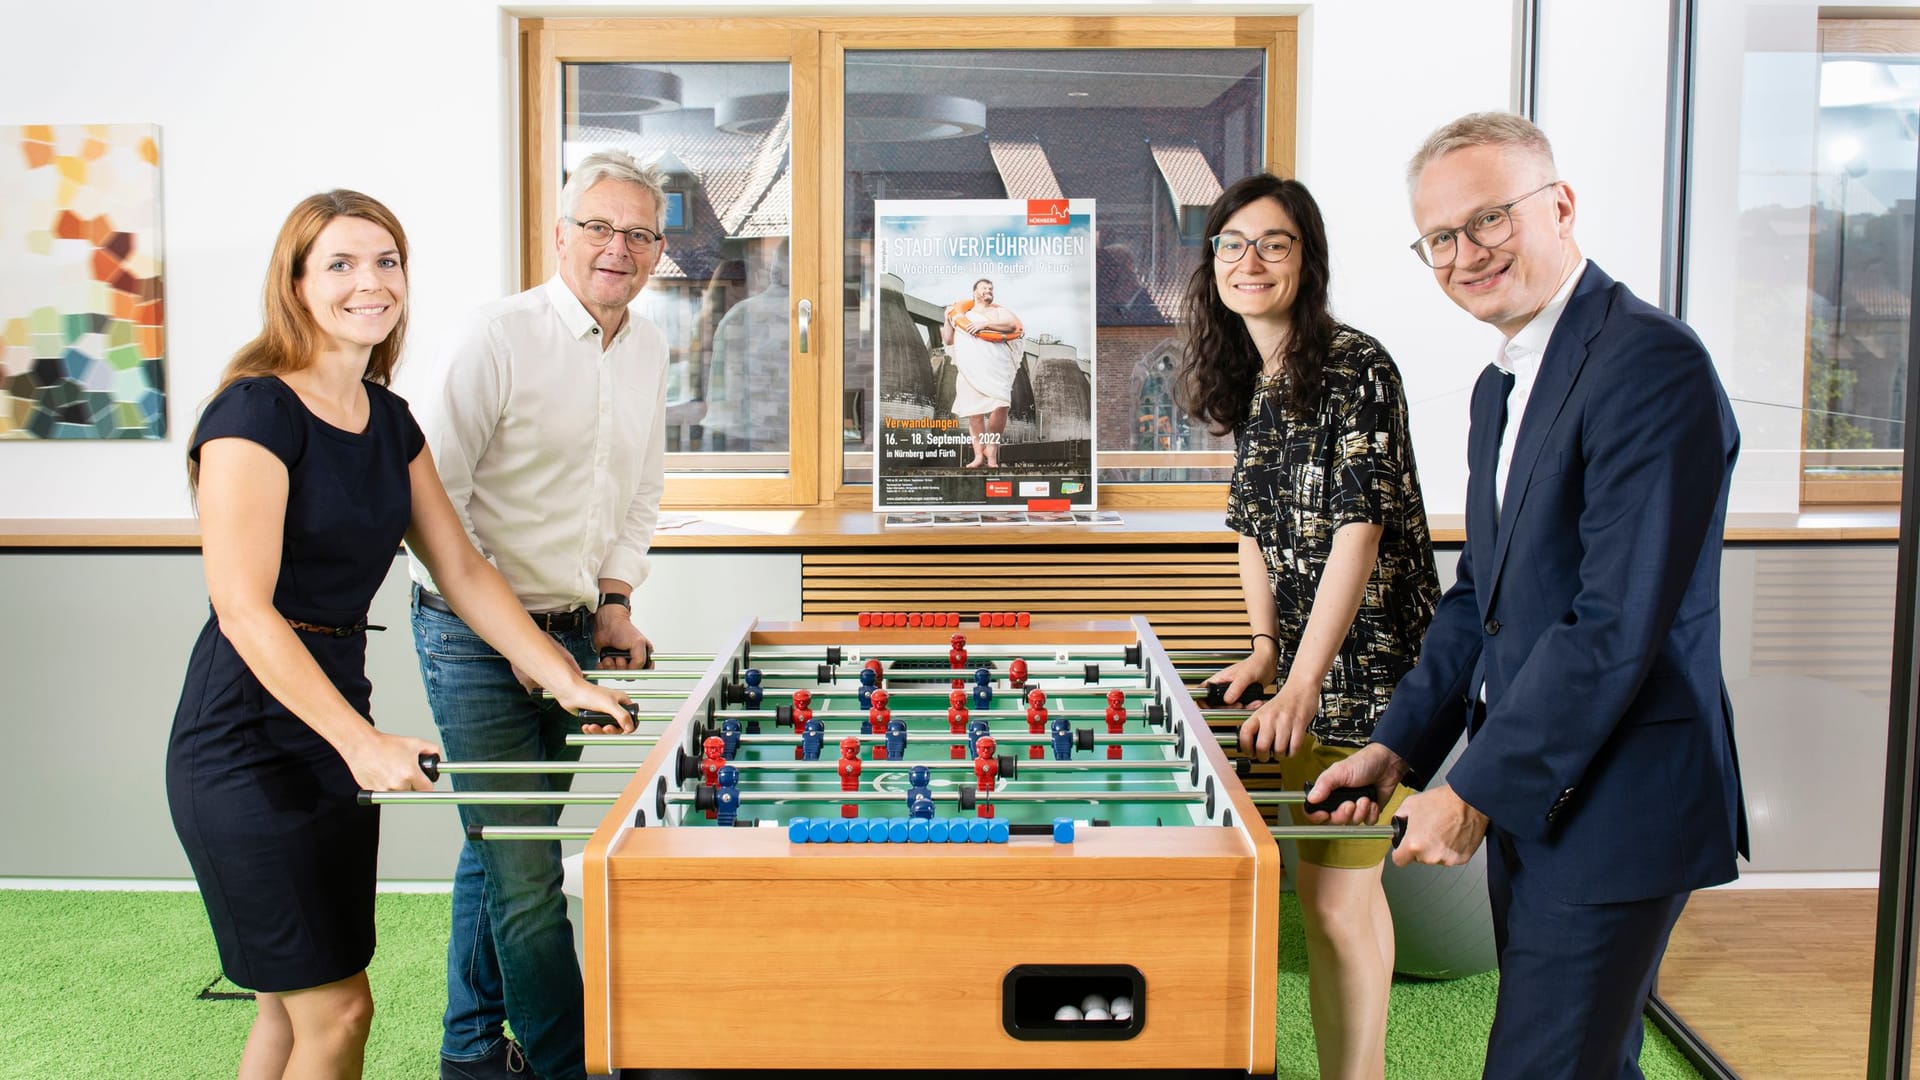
pixel 1442 925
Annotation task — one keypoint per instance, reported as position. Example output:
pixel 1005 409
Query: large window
pixel 1801 212
pixel 778 135
pixel 1862 222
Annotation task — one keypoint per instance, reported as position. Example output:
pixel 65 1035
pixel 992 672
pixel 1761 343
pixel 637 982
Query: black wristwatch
pixel 616 598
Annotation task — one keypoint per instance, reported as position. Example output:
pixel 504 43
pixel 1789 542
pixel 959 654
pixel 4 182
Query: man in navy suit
pixel 1579 647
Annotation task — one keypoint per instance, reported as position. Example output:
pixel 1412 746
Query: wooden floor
pixel 1778 983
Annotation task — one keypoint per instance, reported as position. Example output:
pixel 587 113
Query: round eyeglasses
pixel 1273 247
pixel 600 234
pixel 1489 228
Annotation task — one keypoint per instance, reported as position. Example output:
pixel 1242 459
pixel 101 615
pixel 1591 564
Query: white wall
pixel 262 104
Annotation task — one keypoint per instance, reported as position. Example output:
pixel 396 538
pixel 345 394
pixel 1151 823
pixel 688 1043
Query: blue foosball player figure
pixel 977 729
pixel 869 681
pixel 982 695
pixel 730 738
pixel 753 693
pixel 920 792
pixel 896 739
pixel 727 797
pixel 1060 730
pixel 811 736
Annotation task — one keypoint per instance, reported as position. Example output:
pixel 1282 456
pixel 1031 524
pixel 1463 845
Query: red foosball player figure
pixel 957 719
pixel 986 773
pixel 802 712
pixel 849 772
pixel 1036 720
pixel 711 759
pixel 1116 719
pixel 877 718
pixel 957 656
pixel 1017 674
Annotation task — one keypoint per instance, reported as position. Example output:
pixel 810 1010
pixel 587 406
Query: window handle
pixel 806 319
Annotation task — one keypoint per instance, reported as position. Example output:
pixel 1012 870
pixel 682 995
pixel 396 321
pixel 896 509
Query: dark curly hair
pixel 1219 364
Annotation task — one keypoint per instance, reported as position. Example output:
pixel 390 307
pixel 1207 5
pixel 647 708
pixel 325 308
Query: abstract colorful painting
pixel 82 327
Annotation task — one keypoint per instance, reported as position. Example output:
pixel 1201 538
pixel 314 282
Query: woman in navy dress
pixel 308 473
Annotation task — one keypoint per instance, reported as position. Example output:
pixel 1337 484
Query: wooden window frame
pixel 816 48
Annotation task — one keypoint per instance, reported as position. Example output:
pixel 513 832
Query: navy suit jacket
pixel 1590 606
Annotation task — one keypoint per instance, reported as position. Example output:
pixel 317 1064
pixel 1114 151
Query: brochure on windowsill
pixel 920 519
pixel 674 521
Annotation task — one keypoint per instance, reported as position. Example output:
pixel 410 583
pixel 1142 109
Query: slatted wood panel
pixel 1191 593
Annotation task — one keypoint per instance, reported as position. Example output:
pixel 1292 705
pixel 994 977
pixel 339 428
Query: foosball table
pixel 1004 847
pixel 1132 866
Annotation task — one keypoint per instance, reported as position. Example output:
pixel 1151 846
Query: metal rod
pixel 528 832
pixel 1276 798
pixel 942 738
pixel 517 767
pixel 1033 669
pixel 1132 691
pixel 904 714
pixel 642 675
pixel 492 798
pixel 1331 832
pixel 687 797
pixel 1025 765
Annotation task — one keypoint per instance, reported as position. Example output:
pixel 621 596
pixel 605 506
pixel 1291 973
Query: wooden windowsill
pixel 835 527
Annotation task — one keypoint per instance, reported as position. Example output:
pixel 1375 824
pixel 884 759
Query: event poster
pixel 984 354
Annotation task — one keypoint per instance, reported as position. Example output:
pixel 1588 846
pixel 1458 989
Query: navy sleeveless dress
pixel 263 805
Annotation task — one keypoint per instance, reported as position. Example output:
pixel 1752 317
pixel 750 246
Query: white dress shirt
pixel 552 449
pixel 1520 357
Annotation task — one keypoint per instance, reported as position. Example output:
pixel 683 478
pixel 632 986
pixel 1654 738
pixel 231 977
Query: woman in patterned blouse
pixel 1335 561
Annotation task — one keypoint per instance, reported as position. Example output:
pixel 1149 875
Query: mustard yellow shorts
pixel 1302 770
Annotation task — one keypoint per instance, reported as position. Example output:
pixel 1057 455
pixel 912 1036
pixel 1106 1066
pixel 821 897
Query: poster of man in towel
pixel 984 354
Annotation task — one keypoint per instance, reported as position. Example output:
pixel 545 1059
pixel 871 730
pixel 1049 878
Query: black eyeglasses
pixel 1488 228
pixel 600 234
pixel 1273 247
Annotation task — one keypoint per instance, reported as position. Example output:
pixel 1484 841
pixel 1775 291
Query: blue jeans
pixel 510 957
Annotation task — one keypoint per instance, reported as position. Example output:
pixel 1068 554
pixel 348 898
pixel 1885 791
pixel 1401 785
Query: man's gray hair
pixel 613 165
pixel 1482 129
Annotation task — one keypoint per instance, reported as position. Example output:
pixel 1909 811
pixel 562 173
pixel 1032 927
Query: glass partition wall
pixel 1799 254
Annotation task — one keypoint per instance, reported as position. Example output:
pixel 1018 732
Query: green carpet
pixel 105 984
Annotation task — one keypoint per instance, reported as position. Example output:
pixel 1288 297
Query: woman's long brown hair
pixel 1219 364
pixel 289 339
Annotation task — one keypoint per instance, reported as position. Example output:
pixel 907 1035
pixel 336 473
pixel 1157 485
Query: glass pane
pixel 1800 216
pixel 1152 134
pixel 722 132
pixel 1862 220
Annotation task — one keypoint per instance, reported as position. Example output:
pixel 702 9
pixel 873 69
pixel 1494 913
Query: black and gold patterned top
pixel 1295 483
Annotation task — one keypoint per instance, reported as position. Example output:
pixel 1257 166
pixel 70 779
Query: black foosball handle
pixel 1399 829
pixel 1216 695
pixel 1339 798
pixel 430 766
pixel 595 716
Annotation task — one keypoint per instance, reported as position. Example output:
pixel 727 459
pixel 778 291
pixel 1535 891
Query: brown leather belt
pixel 577 621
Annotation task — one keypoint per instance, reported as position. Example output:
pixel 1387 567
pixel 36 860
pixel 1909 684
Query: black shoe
pixel 507 1062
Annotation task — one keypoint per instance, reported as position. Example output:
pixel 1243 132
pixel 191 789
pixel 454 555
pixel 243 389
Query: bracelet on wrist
pixel 1255 640
pixel 616 598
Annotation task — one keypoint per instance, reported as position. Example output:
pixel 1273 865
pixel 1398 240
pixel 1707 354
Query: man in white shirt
pixel 1579 647
pixel 549 432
